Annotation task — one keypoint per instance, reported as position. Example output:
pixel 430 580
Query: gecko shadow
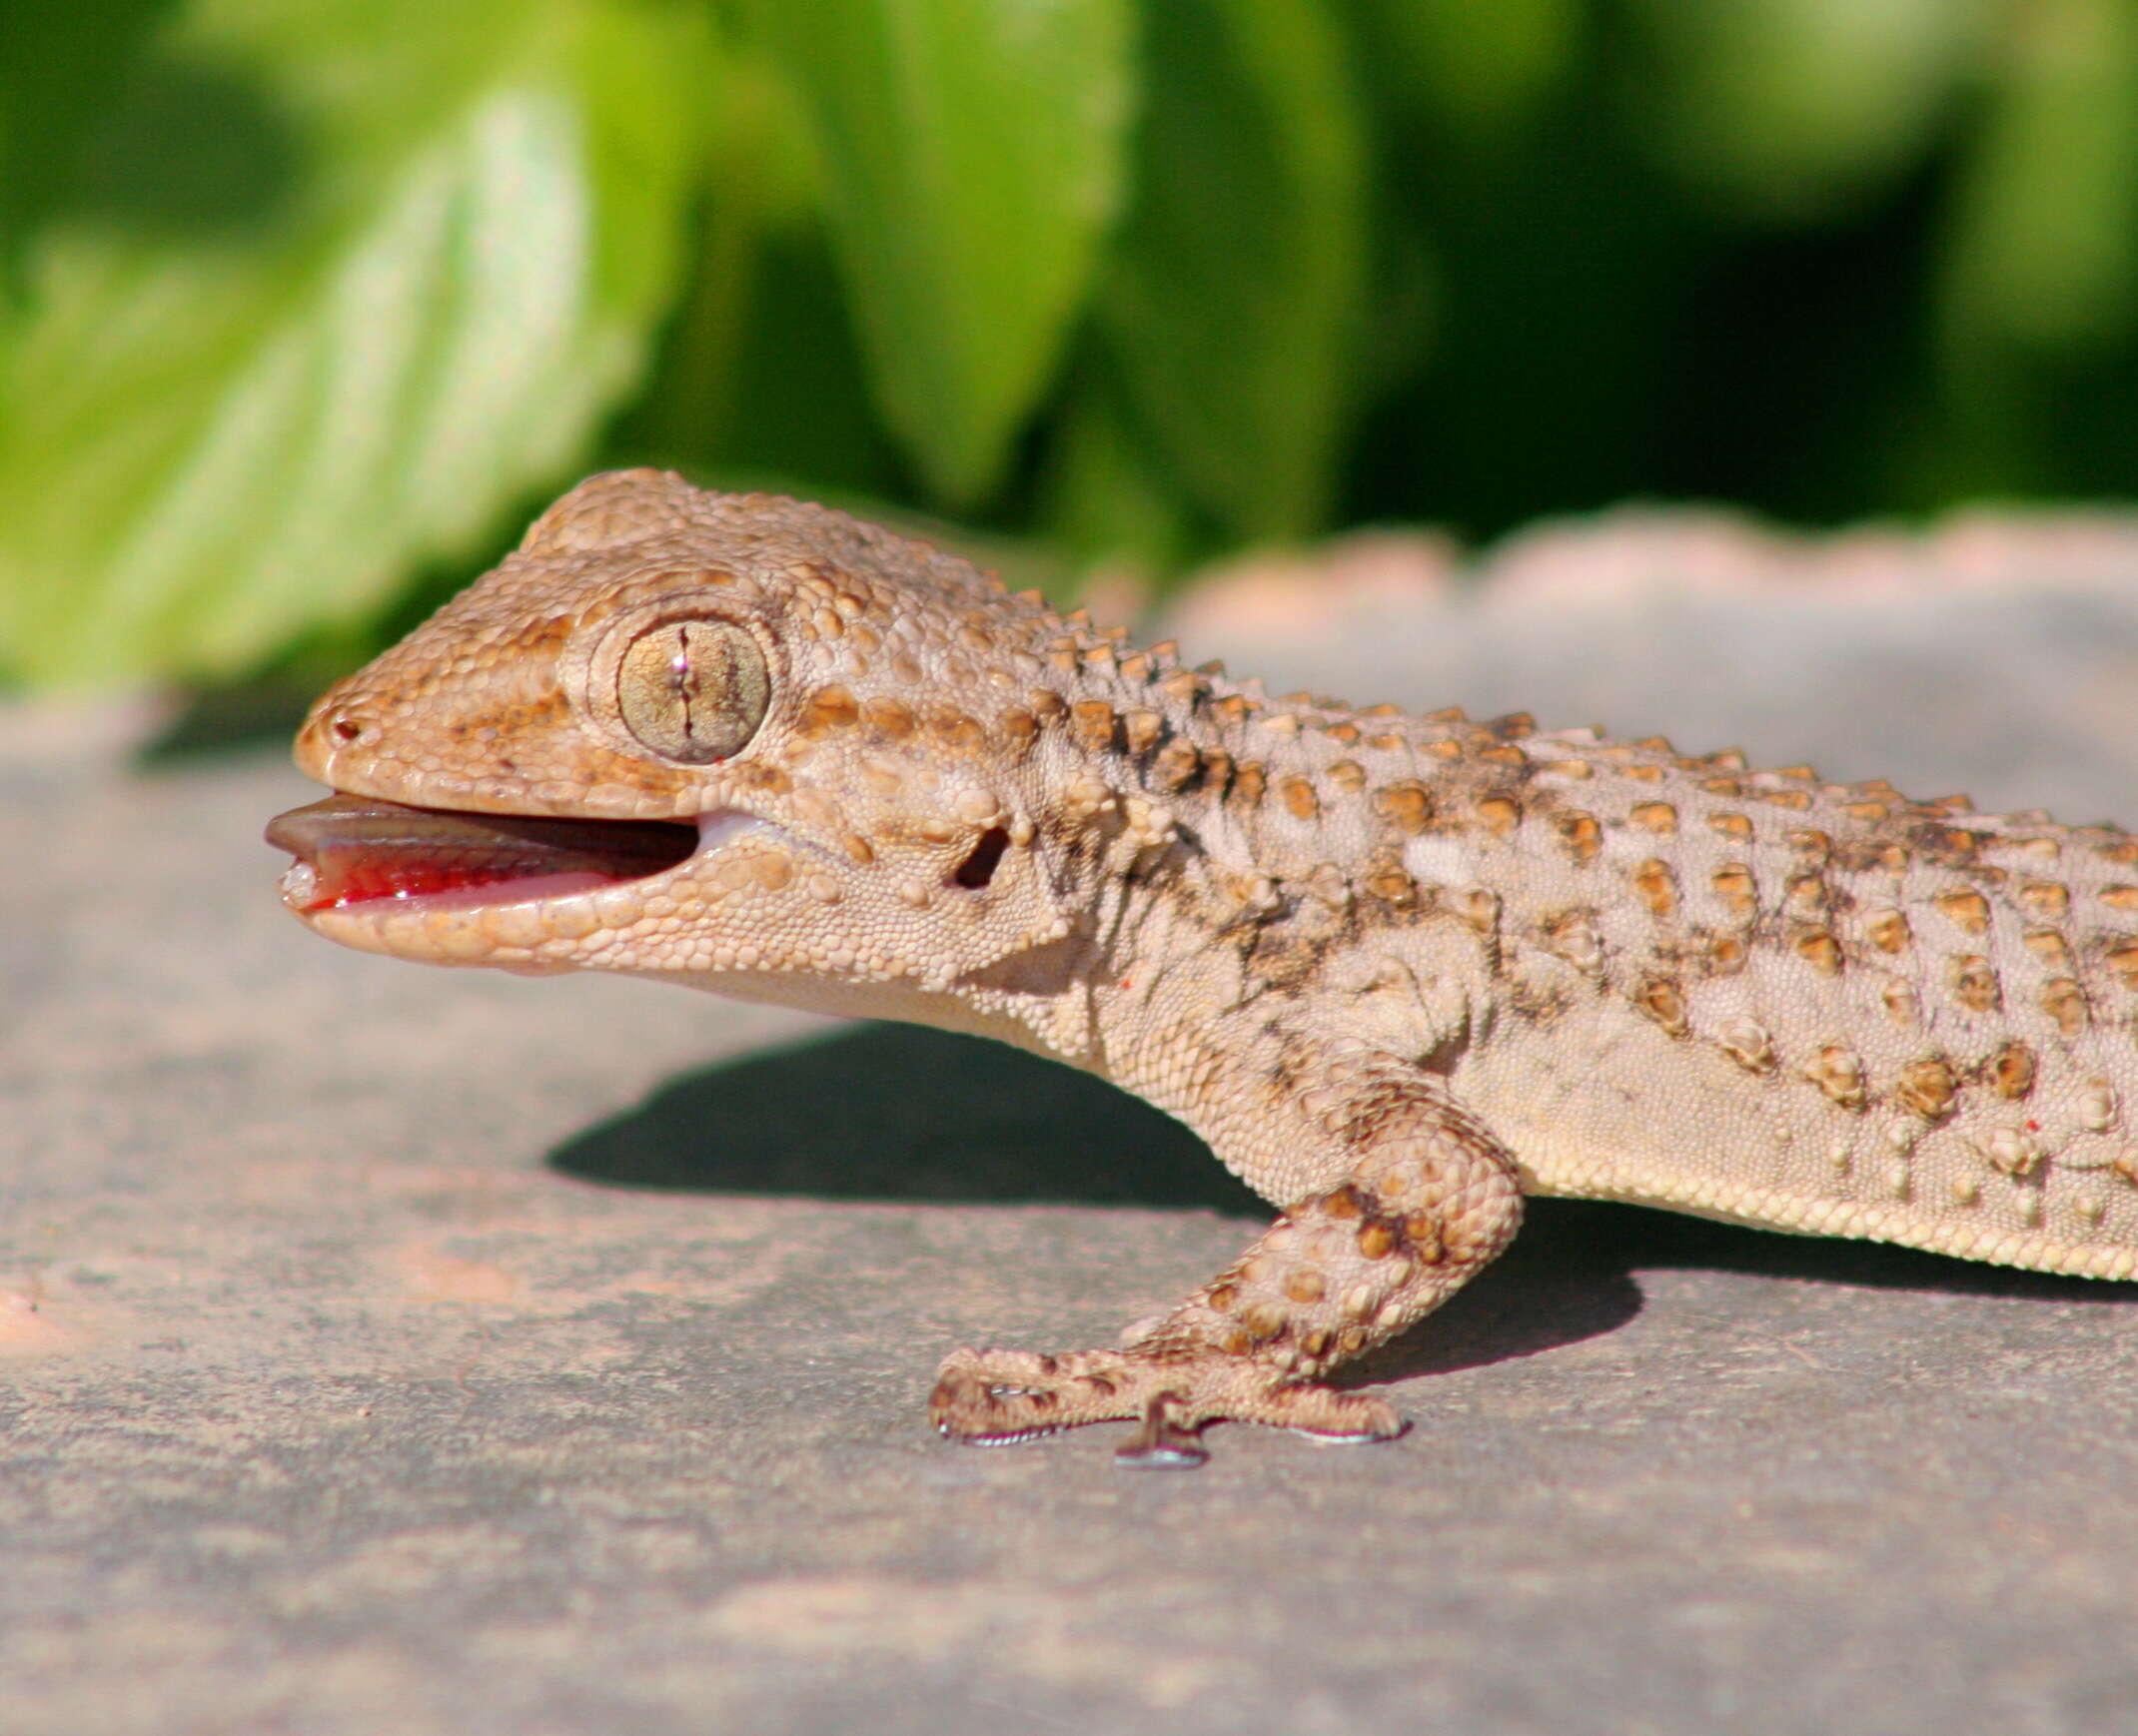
pixel 901 1114
pixel 898 1113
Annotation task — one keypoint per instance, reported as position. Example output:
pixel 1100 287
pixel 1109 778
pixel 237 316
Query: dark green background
pixel 307 302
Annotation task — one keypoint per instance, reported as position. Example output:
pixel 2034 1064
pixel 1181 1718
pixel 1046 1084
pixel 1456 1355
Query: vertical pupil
pixel 690 691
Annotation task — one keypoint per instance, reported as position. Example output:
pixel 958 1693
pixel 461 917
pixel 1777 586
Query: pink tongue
pixel 359 848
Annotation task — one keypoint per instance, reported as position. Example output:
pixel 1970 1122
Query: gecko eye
pixel 692 690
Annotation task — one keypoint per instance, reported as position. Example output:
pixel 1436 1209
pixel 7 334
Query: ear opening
pixel 978 868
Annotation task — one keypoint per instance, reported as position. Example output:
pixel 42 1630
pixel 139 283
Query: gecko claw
pixel 1162 1444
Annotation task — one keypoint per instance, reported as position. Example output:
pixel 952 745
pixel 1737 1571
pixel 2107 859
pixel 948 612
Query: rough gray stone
pixel 387 1349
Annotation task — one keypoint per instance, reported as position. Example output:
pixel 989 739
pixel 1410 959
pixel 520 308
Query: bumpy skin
pixel 1397 971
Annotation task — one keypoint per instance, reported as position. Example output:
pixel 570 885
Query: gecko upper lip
pixel 356 849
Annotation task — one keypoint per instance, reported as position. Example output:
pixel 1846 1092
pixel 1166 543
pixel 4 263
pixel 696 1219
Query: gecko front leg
pixel 1415 1195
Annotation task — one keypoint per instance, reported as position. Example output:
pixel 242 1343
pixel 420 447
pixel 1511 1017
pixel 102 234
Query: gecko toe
pixel 995 1397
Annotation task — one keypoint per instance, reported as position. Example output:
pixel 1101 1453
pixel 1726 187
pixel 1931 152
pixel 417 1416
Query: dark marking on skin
pixel 1292 947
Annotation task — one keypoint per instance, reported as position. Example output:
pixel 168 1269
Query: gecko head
pixel 732 738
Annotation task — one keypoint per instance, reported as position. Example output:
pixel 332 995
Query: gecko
pixel 1399 971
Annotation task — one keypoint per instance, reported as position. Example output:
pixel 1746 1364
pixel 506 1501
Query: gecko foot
pixel 991 1398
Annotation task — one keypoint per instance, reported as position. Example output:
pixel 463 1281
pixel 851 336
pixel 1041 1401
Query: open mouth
pixel 361 849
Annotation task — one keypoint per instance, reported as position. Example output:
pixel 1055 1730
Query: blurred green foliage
pixel 303 302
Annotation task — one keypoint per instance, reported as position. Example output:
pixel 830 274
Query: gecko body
pixel 1399 971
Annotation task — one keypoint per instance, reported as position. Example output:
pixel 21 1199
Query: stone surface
pixel 384 1348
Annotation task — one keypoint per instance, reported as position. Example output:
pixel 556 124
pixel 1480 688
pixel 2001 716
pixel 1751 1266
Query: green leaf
pixel 2044 246
pixel 759 372
pixel 79 53
pixel 971 152
pixel 256 386
pixel 1232 294
pixel 1795 108
pixel 1106 497
pixel 1481 67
